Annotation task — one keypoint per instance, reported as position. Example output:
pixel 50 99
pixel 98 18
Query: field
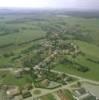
pixel 90 59
pixel 18 32
pixel 59 94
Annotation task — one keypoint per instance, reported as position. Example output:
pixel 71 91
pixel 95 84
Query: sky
pixel 77 4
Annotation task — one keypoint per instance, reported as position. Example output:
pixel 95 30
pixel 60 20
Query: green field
pixel 91 52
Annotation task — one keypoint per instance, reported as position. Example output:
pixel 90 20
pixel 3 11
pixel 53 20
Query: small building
pixel 18 73
pixel 45 83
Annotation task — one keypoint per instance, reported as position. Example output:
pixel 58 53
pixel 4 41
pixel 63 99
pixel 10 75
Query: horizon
pixel 50 4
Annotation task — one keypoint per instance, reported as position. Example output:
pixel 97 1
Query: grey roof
pixel 89 97
pixel 79 92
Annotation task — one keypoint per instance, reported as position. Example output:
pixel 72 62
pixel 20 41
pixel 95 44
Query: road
pixel 54 90
pixel 80 78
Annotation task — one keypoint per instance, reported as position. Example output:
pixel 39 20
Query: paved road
pixel 52 91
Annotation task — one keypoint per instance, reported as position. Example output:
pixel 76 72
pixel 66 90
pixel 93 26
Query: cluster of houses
pixel 51 79
pixel 12 92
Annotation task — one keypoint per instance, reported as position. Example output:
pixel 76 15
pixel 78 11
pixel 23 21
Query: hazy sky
pixel 81 4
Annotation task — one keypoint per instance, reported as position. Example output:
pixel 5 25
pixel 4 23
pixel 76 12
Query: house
pixel 13 91
pixel 18 73
pixel 28 86
pixel 82 94
pixel 26 93
pixel 45 83
pixel 36 67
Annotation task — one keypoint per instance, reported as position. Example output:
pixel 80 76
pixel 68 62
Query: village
pixel 45 79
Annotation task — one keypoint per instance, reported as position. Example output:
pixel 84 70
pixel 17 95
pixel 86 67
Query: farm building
pixel 82 94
